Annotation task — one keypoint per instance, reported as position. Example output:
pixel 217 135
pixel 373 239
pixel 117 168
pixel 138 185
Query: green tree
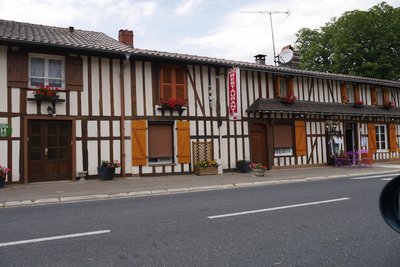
pixel 363 43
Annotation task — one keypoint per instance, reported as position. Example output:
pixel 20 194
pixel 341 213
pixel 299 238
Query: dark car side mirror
pixel 389 203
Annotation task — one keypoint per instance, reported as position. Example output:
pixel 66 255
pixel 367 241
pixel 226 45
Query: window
pixel 161 148
pixel 283 140
pixel 283 86
pixel 379 96
pixel 172 83
pixel 381 137
pixel 350 93
pixel 46 70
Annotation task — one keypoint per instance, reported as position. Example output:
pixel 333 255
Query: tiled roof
pixel 268 105
pixel 266 68
pixel 13 31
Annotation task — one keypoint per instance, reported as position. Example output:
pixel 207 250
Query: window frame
pixel 350 93
pixel 379 96
pixel 173 83
pixel 171 160
pixel 46 77
pixel 378 140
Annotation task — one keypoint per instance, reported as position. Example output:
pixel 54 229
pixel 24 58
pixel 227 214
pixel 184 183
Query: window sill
pixel 179 110
pixel 161 164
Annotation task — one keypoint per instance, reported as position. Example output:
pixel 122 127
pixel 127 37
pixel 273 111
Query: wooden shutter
pixel 17 69
pixel 290 86
pixel 343 91
pixel 374 98
pixel 183 136
pixel 371 138
pixel 392 137
pixel 73 73
pixel 357 93
pixel 277 88
pixel 139 143
pixel 385 93
pixel 300 134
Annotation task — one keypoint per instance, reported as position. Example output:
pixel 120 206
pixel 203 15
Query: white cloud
pixel 185 6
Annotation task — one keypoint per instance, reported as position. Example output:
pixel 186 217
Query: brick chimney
pixel 126 37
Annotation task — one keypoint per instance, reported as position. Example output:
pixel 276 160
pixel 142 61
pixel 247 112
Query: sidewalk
pixel 72 191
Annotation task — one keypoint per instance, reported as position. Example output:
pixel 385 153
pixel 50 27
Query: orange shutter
pixel 17 69
pixel 392 137
pixel 374 98
pixel 357 93
pixel 139 143
pixel 290 86
pixel 343 91
pixel 277 88
pixel 371 138
pixel 183 140
pixel 300 134
pixel 386 95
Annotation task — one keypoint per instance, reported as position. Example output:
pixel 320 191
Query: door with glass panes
pixel 49 150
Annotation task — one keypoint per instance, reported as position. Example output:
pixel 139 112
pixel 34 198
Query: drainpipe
pixel 122 119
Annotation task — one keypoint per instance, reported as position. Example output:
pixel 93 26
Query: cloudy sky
pixel 215 28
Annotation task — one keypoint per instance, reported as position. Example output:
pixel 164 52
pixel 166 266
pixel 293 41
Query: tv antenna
pixel 287 12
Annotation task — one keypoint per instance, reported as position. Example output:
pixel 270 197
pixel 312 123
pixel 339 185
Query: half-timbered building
pixel 112 106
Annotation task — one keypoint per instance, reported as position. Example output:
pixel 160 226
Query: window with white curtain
pixel 46 70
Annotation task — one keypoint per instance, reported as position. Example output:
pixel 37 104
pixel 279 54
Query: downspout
pixel 122 119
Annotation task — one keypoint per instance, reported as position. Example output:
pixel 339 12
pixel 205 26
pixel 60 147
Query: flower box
pixel 209 170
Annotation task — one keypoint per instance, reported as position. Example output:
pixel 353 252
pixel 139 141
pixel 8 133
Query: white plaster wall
pixel 3 152
pixel 78 127
pixel 116 130
pixel 79 159
pixel 116 88
pixel 127 90
pixel 105 84
pixel 16 126
pixel 15 98
pixel 85 93
pixel 93 157
pixel 92 129
pixel 73 100
pixel 191 95
pixel 15 160
pixel 104 128
pixel 139 88
pixel 95 87
pixel 3 79
pixel 148 85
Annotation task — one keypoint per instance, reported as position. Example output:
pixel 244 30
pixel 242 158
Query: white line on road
pixel 373 177
pixel 52 238
pixel 386 179
pixel 277 208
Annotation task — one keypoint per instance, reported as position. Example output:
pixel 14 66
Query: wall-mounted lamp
pixel 51 110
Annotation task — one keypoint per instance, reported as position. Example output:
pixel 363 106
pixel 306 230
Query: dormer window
pixel 46 70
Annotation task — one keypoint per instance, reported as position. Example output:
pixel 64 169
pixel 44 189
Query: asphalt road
pixel 322 223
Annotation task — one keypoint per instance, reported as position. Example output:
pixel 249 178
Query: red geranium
pixel 46 90
pixel 173 103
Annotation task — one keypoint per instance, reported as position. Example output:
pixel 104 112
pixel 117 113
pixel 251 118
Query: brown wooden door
pixel 49 151
pixel 258 142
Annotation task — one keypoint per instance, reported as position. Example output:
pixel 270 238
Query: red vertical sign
pixel 234 93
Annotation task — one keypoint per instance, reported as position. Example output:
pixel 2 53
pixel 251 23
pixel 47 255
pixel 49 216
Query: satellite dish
pixel 285 56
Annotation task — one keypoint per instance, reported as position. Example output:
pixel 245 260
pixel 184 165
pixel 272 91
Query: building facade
pixel 158 112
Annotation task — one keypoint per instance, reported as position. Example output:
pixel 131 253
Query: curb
pixel 171 191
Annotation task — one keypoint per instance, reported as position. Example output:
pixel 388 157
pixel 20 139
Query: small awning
pixel 268 105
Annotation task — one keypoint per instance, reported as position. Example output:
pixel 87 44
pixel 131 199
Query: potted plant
pixel 289 99
pixel 46 92
pixel 206 167
pixel 389 105
pixel 358 104
pixel 258 169
pixel 106 170
pixel 243 166
pixel 3 174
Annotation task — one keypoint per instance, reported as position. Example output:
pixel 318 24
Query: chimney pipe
pixel 260 59
pixel 126 37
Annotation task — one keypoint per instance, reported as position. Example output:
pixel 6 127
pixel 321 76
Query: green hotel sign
pixel 5 130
